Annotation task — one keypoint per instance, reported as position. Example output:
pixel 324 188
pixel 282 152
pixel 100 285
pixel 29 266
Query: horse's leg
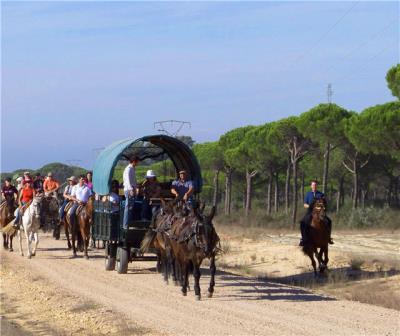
pixel 73 238
pixel 20 242
pixel 85 239
pixel 5 241
pixel 314 264
pixel 36 237
pixel 66 231
pixel 196 275
pixel 185 271
pixel 28 242
pixel 213 270
pixel 10 239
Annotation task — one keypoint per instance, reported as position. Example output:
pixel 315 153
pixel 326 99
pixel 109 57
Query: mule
pixel 193 239
pixel 30 226
pixel 318 238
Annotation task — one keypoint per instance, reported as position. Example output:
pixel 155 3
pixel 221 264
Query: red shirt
pixel 27 193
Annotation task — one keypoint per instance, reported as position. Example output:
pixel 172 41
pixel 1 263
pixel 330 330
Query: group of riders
pixel 78 192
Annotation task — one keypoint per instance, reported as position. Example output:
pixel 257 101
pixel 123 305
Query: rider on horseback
pixel 9 193
pixel 50 185
pixel 67 193
pixel 309 200
pixel 38 184
pixel 25 197
pixel 80 195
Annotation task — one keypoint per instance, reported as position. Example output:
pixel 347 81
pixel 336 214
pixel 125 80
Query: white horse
pixel 30 225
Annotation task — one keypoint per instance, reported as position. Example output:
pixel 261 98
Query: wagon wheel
pixel 122 261
pixel 109 259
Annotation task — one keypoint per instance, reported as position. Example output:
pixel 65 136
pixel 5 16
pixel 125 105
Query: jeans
pixel 129 203
pixel 18 216
pixel 62 209
pixel 72 212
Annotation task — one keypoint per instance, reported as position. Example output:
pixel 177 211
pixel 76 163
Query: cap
pixel 150 173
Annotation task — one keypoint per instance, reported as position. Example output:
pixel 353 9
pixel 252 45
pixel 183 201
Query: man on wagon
pixel 182 188
pixel 130 186
pixel 305 223
pixel 149 188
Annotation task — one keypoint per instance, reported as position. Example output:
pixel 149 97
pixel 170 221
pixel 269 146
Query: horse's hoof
pixel 29 256
pixel 184 293
pixel 21 254
pixel 198 297
pixel 11 250
pixel 33 254
pixel 210 295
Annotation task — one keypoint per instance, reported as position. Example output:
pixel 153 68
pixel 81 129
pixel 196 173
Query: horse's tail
pixel 147 241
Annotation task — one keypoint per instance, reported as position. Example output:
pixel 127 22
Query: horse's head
pixel 206 231
pixel 319 208
pixel 37 206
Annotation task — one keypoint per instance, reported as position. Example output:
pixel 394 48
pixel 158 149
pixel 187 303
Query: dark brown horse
pixel 80 228
pixel 193 238
pixel 318 240
pixel 6 216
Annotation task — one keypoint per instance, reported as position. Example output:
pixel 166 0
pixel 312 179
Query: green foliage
pixel 377 130
pixel 323 123
pixel 209 155
pixel 393 80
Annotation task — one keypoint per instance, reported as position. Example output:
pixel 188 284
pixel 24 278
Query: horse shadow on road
pixel 246 288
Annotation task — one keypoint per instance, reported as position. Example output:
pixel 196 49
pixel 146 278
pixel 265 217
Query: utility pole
pixel 329 94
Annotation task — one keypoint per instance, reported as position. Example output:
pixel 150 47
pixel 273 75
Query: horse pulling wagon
pixel 123 245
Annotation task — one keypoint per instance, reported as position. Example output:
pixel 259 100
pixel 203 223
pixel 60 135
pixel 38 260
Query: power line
pixel 352 74
pixel 301 56
pixel 162 126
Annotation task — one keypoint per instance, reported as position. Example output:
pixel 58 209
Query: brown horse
pixel 80 229
pixel 6 216
pixel 318 237
pixel 193 239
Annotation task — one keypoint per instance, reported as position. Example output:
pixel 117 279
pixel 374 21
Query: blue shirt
pixel 308 199
pixel 181 187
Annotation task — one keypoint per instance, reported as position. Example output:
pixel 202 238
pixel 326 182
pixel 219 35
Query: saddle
pixel 24 207
pixel 69 206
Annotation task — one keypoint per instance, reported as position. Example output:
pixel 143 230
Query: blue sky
pixel 80 75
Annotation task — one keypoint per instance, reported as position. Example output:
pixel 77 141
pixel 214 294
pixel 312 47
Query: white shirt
pixel 81 193
pixel 129 177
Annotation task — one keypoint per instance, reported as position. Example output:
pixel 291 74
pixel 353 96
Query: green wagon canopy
pixel 180 154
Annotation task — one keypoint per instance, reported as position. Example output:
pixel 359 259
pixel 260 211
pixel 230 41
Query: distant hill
pixel 60 171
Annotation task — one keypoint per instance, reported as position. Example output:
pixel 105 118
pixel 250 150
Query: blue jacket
pixel 309 198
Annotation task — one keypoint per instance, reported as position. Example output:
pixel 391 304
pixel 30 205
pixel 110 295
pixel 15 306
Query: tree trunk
pixel 287 186
pixel 216 187
pixel 295 191
pixel 302 185
pixel 355 185
pixel 276 200
pixel 269 194
pixel 326 168
pixel 338 201
pixel 363 196
pixel 228 191
pixel 249 177
pixel 341 190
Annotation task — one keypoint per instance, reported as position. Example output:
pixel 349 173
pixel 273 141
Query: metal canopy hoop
pixel 180 154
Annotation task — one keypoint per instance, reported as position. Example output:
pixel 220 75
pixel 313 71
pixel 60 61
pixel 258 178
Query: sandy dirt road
pixel 64 296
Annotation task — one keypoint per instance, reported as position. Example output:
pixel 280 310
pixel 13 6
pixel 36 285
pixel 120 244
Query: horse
pixel 6 215
pixel 318 237
pixel 30 226
pixel 193 238
pixel 50 206
pixel 80 229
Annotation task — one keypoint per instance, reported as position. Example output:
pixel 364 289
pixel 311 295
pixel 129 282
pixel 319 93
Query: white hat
pixel 19 178
pixel 150 173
